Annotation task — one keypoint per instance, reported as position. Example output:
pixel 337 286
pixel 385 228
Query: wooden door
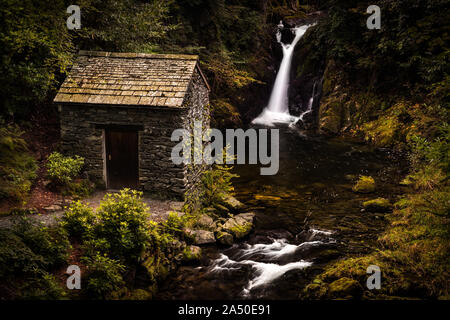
pixel 121 158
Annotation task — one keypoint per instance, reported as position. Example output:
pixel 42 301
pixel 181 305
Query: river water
pixel 306 217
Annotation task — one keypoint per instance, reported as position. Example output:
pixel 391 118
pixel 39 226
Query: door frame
pixel 117 127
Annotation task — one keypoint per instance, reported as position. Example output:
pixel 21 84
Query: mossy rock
pixel 231 203
pixel 365 184
pixel 224 238
pixel 377 205
pixel 314 291
pixel 240 226
pixel 140 294
pixel 345 288
pixel 192 254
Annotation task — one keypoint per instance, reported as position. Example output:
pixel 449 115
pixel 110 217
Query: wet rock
pixel 224 238
pixel 192 254
pixel 345 288
pixel 240 225
pixel 203 237
pixel 314 291
pixel 377 205
pixel 222 210
pixel 232 204
pixel 365 184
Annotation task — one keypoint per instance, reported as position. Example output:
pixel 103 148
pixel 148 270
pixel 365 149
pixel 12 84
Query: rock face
pixel 377 205
pixel 240 225
pixel 365 184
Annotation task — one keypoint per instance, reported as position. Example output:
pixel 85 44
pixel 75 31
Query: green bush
pixel 79 189
pixel 62 170
pixel 17 166
pixel 43 286
pixel 51 243
pixel 104 276
pixel 123 223
pixel 16 257
pixel 27 248
pixel 216 182
pixel 78 220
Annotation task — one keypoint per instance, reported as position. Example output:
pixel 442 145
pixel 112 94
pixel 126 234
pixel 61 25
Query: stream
pixel 306 216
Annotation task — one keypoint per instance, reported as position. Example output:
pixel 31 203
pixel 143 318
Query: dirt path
pixel 159 210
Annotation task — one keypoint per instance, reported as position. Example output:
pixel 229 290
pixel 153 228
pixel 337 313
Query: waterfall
pixel 277 110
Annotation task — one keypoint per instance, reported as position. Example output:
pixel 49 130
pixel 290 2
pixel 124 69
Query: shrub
pixel 79 219
pixel 26 249
pixel 79 189
pixel 17 166
pixel 123 223
pixel 174 224
pixel 43 286
pixel 16 257
pixel 62 170
pixel 51 243
pixel 104 276
pixel 216 182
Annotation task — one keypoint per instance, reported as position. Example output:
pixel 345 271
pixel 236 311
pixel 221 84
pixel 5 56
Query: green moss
pixel 377 205
pixel 240 231
pixel 192 254
pixel 365 184
pixel 345 288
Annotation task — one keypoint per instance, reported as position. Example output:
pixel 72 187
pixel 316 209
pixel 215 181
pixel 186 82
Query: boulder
pixel 377 205
pixel 206 221
pixel 345 288
pixel 231 203
pixel 365 184
pixel 203 237
pixel 240 225
pixel 224 238
pixel 192 254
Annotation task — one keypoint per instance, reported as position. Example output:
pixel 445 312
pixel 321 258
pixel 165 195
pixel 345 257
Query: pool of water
pixel 306 216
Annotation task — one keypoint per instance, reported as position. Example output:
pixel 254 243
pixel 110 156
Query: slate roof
pixel 112 78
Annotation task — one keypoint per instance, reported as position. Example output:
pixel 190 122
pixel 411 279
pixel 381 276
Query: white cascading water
pixel 270 268
pixel 277 111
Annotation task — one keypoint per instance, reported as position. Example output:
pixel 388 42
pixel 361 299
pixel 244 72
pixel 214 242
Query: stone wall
pixel 82 134
pixel 197 100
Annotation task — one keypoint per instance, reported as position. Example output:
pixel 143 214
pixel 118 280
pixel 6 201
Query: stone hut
pixel 118 111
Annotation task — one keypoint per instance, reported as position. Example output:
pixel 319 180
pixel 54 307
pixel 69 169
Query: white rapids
pixel 264 271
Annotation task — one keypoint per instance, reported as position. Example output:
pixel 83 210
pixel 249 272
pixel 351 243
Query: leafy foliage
pixel 30 252
pixel 35 50
pixel 78 220
pixel 17 166
pixel 63 169
pixel 104 276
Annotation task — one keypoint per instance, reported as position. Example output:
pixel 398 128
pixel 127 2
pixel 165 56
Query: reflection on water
pixel 306 216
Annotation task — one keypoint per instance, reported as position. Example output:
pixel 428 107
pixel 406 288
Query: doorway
pixel 122 167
